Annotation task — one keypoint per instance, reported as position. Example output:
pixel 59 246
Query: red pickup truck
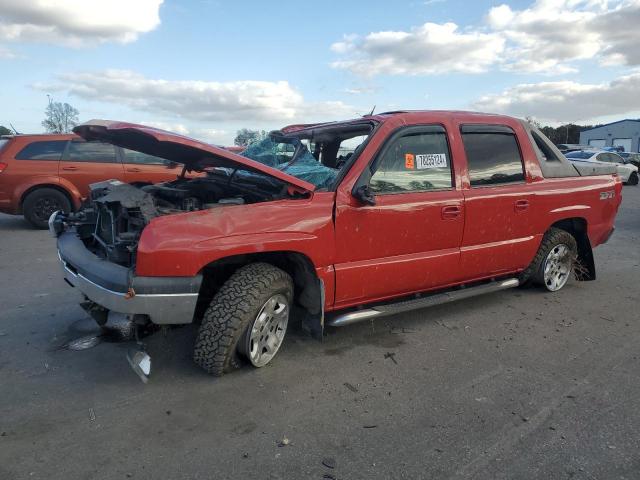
pixel 330 224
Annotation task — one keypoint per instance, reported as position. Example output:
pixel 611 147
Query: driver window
pixel 415 162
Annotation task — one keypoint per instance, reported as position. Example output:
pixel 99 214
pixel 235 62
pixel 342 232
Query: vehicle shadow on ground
pixel 14 222
pixel 171 350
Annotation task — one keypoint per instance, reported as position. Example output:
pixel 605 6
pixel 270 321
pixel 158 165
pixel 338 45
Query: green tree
pixel 245 137
pixel 60 117
pixel 4 130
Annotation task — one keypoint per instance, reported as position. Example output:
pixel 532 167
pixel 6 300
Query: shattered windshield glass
pixel 291 156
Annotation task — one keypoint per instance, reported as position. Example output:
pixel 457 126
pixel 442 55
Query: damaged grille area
pixel 117 231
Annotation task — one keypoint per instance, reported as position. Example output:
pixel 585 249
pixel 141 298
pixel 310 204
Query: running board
pixel 342 319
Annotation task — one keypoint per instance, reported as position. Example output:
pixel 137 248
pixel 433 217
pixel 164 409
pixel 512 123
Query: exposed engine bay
pixel 112 220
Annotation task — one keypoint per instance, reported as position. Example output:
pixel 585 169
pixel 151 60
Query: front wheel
pixel 246 319
pixel 633 179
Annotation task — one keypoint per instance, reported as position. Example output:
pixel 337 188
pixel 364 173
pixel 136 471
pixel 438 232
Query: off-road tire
pixel 633 179
pixel 553 237
pixel 233 308
pixel 32 209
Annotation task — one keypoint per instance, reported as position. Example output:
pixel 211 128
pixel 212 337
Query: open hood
pixel 178 148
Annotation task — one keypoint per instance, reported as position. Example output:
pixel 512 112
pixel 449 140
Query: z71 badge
pixel 607 195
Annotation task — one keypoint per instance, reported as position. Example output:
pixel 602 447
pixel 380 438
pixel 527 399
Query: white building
pixel 625 133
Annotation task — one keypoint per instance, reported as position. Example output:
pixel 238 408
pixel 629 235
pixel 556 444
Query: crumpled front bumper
pixel 166 300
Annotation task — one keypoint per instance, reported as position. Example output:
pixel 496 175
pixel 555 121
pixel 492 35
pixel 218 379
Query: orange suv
pixel 40 174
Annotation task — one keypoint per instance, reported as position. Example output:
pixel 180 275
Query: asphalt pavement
pixel 519 384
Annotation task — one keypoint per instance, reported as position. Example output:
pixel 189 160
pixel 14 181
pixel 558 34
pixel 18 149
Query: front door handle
pixel 521 205
pixel 70 168
pixel 133 169
pixel 451 212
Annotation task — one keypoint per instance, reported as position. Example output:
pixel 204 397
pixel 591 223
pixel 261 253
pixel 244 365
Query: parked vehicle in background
pixel 40 174
pixel 429 207
pixel 630 157
pixel 615 148
pixel 589 158
pixel 571 147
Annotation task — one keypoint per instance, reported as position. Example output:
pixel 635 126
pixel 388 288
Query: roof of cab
pixel 459 115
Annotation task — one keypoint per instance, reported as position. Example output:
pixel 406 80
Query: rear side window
pixel 131 156
pixel 97 152
pixel 414 162
pixel 543 149
pixel 493 158
pixel 49 150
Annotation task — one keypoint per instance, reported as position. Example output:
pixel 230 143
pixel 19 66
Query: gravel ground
pixel 519 384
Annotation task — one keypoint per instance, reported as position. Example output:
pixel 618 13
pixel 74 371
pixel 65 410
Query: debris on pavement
pixel 392 356
pixel 83 343
pixel 92 415
pixel 351 387
pixel 284 442
pixel 329 462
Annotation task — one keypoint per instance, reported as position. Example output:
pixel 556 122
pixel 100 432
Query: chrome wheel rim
pixel 267 330
pixel 557 267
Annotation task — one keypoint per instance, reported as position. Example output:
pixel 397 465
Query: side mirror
pixel 172 165
pixel 365 195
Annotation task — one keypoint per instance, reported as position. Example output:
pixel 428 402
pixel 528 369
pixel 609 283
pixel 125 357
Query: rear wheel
pixel 246 320
pixel 633 179
pixel 553 265
pixel 41 203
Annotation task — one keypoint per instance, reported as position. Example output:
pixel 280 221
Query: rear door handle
pixel 451 212
pixel 134 170
pixel 521 205
pixel 70 168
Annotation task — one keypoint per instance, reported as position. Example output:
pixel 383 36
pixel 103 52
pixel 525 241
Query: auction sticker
pixel 431 160
pixel 409 161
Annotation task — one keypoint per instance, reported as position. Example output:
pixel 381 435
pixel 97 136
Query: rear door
pixel 143 168
pixel 499 234
pixel 84 163
pixel 409 241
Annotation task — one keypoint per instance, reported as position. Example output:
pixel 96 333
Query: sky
pixel 206 68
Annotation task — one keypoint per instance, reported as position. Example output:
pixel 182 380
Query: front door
pixel 142 168
pixel 409 241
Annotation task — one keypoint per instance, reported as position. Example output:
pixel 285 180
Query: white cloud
pixel 566 101
pixel 544 37
pixel 548 37
pixel 211 135
pixel 429 49
pixel 77 22
pixel 195 100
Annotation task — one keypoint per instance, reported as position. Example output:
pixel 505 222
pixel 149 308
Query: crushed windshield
pixel 291 156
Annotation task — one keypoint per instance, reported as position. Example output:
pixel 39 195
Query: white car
pixel 628 173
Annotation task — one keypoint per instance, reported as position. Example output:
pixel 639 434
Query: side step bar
pixel 342 319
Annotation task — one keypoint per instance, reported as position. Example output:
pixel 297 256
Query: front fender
pixel 190 261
